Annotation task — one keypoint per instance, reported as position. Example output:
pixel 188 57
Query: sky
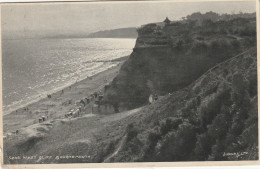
pixel 84 18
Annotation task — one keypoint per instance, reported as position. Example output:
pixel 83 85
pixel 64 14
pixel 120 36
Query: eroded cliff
pixel 169 56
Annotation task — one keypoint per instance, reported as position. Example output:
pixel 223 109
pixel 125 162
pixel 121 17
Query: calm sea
pixel 34 67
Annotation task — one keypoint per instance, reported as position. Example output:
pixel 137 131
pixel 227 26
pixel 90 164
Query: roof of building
pixel 167 20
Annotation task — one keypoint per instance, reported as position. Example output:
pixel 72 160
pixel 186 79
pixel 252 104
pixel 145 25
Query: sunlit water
pixel 34 67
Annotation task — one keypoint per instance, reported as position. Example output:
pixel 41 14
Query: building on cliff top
pixel 167 21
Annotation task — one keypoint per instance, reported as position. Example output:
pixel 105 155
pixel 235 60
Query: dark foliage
pixel 217 119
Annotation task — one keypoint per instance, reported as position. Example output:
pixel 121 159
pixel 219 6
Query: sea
pixel 33 68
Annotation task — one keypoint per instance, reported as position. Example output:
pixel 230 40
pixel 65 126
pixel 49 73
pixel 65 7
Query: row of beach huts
pixel 95 100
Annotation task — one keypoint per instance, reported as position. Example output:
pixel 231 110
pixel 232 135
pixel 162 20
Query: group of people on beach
pixel 94 98
pixel 42 119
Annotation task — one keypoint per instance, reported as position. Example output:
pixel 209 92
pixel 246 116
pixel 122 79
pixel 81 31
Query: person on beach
pixel 87 99
pixel 26 109
pixel 82 102
pixel 43 118
pixel 155 97
pixel 95 94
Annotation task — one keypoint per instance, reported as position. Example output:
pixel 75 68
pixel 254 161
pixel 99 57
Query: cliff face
pixel 169 57
pixel 210 70
pixel 214 118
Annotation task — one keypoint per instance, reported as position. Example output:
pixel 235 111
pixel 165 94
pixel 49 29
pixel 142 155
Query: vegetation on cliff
pixel 214 118
pixel 206 72
pixel 167 58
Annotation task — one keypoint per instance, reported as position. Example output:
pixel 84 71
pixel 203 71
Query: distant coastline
pixel 120 33
pixel 115 33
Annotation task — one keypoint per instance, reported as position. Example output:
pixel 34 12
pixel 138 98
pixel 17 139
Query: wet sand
pixel 58 105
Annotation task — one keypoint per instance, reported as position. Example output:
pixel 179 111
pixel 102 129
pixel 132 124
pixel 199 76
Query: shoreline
pixel 43 95
pixel 39 97
pixel 56 106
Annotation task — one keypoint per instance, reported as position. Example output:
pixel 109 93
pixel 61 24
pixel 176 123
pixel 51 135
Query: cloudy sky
pixel 77 18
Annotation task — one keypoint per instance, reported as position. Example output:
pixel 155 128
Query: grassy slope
pixel 214 118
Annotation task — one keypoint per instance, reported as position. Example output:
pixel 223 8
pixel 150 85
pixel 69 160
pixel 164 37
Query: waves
pixel 46 66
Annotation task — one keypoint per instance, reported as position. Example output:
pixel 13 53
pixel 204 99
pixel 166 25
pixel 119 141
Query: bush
pixel 235 44
pixel 217 152
pixel 209 109
pixel 219 126
pixel 200 48
pixel 179 45
pixel 220 48
pixel 252 89
pixel 248 31
pixel 131 132
pixel 169 124
pixel 202 147
pixel 249 42
pixel 177 145
pixel 208 23
pixel 152 140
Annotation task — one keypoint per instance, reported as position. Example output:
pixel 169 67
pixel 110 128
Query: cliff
pixel 214 118
pixel 205 71
pixel 169 56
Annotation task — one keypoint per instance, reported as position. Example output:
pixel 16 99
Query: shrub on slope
pixel 214 118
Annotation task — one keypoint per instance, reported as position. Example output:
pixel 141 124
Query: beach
pixel 83 135
pixel 61 102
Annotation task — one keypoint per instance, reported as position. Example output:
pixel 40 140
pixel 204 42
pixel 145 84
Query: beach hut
pixel 68 115
pixel 40 120
pixel 100 97
pixel 87 100
pixel 83 102
pixel 95 94
pixel 78 103
pixel 152 98
pixel 43 118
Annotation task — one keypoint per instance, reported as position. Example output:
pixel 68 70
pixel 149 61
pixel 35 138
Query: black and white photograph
pixel 129 82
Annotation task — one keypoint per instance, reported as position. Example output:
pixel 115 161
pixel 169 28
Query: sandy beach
pixel 84 135
pixel 61 102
